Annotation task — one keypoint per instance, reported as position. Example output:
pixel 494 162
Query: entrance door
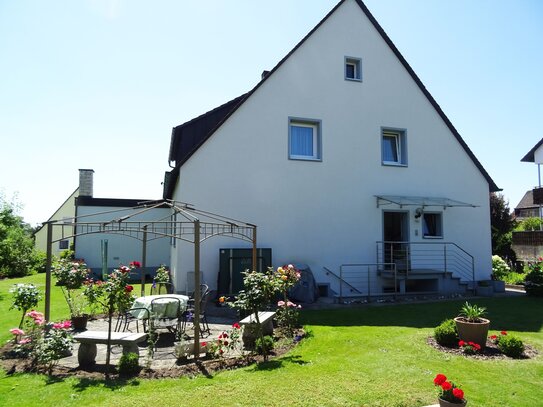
pixel 396 239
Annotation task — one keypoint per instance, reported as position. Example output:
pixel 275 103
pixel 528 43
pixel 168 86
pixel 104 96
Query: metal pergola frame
pixel 195 226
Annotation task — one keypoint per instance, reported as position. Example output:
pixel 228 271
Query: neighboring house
pixel 65 212
pixel 340 156
pixel 106 250
pixel 528 245
pixel 526 207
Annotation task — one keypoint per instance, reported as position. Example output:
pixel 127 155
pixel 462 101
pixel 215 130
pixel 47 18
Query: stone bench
pixel 250 332
pixel 88 339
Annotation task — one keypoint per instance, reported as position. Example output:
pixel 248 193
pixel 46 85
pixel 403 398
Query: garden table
pixel 164 306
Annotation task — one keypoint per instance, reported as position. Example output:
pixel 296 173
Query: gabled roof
pixel 232 107
pixel 527 201
pixel 189 136
pixel 530 157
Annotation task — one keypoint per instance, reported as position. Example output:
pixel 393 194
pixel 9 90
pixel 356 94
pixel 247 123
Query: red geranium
pixel 440 379
pixel 447 389
pixel 446 386
pixel 503 332
pixel 458 393
pixel 135 264
pixel 128 288
pixel 236 325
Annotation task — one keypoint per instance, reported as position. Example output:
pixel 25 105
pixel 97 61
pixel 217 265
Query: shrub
pixel 39 261
pixel 129 364
pixel 529 224
pixel 264 345
pixel 534 278
pixel 25 297
pixel 499 268
pixel 446 334
pixel 511 346
pixel 514 278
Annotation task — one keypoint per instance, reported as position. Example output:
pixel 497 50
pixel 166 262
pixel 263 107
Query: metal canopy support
pixel 193 229
pixel 143 260
pixel 48 271
pixel 197 291
pixel 421 201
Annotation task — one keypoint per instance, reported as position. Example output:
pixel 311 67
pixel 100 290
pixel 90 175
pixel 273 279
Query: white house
pixel 338 149
pixel 113 249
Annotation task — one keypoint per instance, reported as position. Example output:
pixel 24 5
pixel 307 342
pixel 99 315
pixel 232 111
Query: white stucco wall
pixel 324 213
pixel 121 249
pixel 538 155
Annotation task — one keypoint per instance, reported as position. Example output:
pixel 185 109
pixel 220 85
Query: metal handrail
pixel 354 279
pixel 452 258
pixel 328 272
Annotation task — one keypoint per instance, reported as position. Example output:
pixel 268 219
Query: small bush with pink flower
pixel 44 343
pixel 447 390
pixel 287 313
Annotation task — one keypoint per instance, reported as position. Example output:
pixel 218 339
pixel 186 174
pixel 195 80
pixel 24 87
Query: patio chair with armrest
pixel 160 319
pixel 188 315
pixel 133 315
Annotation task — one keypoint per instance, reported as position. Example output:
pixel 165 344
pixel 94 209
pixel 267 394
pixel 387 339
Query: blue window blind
pixel 301 141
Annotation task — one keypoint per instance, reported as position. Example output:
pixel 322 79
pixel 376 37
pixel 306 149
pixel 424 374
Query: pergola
pixel 185 223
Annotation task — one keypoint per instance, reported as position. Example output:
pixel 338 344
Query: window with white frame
pixel 432 225
pixel 353 69
pixel 304 139
pixel 393 147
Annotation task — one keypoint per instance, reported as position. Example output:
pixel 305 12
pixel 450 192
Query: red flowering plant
pixel 448 391
pixel 469 348
pixel 495 339
pixel 114 294
pixel 227 342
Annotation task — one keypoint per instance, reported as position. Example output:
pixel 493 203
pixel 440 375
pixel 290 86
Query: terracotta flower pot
pixel 445 403
pixel 473 331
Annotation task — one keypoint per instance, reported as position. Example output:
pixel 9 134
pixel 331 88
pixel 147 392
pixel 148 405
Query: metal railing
pixel 360 279
pixel 435 257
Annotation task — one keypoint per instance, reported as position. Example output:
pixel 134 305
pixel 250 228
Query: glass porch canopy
pixel 420 201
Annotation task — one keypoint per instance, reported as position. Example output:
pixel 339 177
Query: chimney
pixel 85 182
pixel 264 74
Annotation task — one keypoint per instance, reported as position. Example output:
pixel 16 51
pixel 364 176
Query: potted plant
pixel 500 269
pixel 449 395
pixel 78 306
pixel 71 275
pixel 471 325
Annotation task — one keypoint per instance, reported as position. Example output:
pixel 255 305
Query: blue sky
pixel 100 83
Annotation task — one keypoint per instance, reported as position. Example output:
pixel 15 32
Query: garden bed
pixel 179 368
pixel 491 351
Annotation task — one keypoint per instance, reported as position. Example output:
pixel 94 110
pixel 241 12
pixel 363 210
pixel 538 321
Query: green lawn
pixel 368 356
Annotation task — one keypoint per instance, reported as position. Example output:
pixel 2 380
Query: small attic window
pixel 353 69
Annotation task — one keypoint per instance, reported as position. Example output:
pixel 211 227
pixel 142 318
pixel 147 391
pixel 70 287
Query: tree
pixel 17 255
pixel 502 225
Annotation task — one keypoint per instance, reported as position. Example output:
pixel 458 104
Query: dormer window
pixel 353 69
